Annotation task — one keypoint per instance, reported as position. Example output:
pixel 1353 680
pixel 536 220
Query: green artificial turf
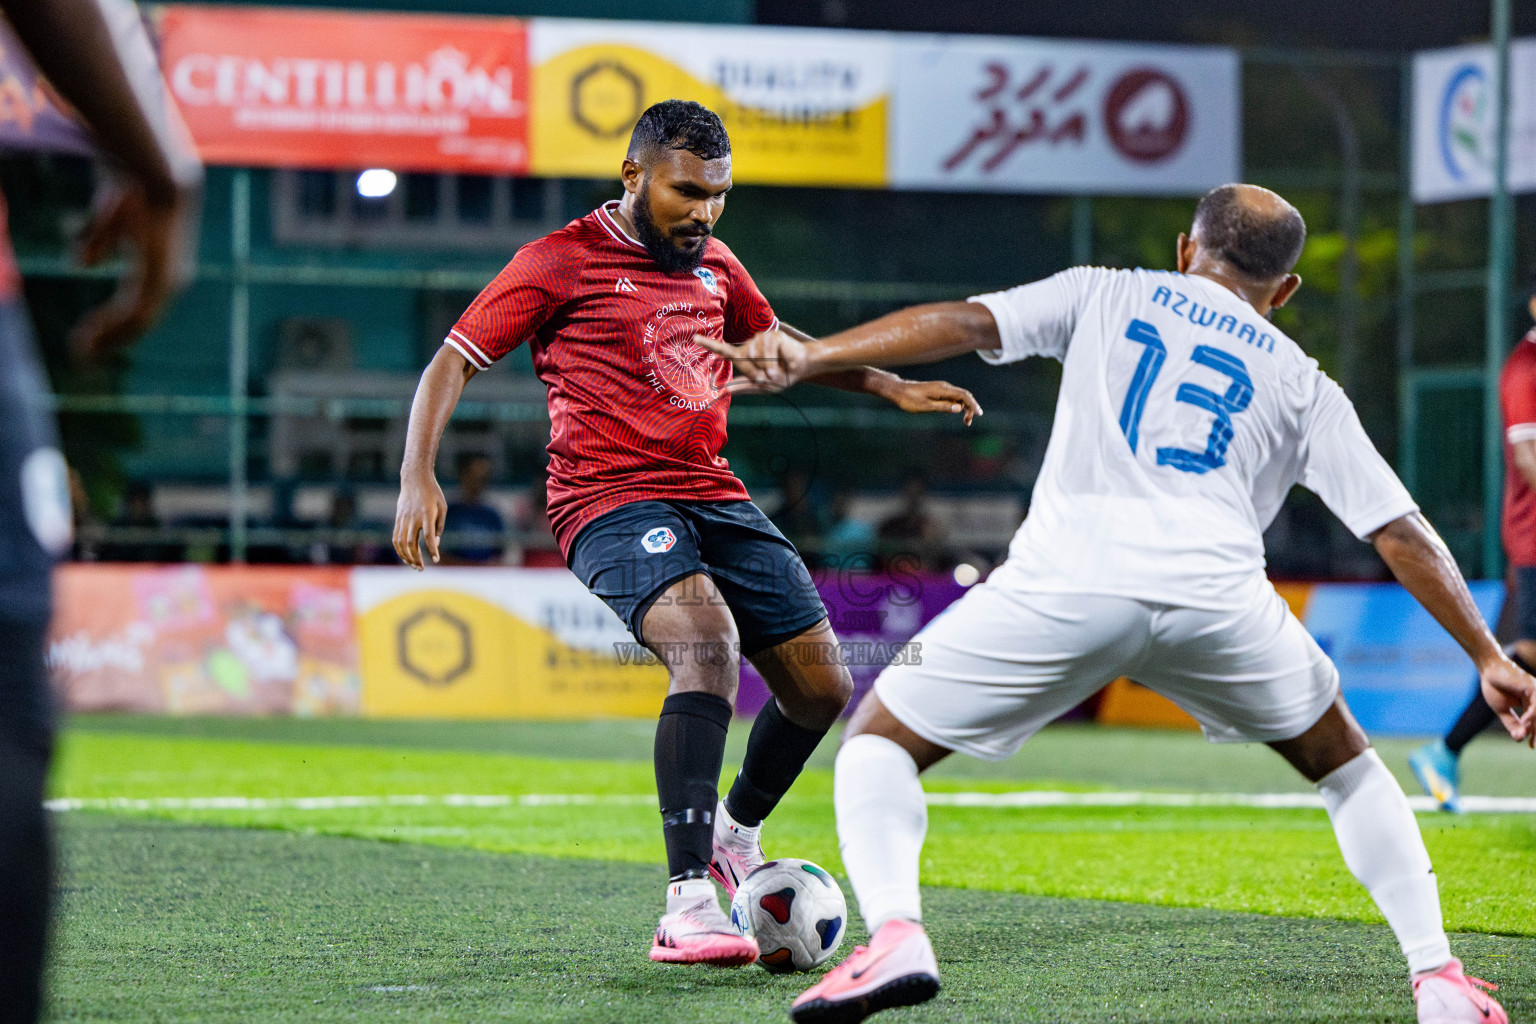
pixel 1278 862
pixel 170 922
pixel 1085 754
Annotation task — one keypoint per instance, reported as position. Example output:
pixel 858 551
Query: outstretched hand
pixel 770 361
pixel 1512 695
pixel 931 396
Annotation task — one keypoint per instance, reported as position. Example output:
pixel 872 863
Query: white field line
pixel 1017 799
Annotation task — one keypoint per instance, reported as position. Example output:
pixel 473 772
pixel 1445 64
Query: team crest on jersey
pixel 707 276
pixel 658 540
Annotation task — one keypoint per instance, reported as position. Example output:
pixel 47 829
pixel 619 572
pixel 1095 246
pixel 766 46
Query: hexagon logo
pixel 435 646
pixel 607 99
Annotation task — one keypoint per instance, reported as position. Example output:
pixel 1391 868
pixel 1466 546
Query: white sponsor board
pixel 1036 115
pixel 1453 122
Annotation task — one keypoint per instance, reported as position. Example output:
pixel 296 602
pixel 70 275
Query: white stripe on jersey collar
pixel 606 219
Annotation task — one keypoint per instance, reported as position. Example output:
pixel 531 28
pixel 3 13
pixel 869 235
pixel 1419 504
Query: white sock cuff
pixel 1352 776
pixel 867 749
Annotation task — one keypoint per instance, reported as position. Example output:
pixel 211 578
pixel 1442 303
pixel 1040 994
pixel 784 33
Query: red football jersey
pixel 1517 396
pixel 636 408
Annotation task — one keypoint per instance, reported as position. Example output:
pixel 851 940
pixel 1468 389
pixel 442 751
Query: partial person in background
pixel 336 543
pixel 98 57
pixel 1437 765
pixel 914 532
pixel 474 532
pixel 540 549
pixel 797 517
pixel 139 516
pixel 850 541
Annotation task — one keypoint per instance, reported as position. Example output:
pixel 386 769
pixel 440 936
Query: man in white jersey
pixel 1183 420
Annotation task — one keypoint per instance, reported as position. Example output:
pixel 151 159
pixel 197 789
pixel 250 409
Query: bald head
pixel 1251 229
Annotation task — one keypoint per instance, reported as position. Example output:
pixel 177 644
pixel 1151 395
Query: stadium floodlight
pixel 376 183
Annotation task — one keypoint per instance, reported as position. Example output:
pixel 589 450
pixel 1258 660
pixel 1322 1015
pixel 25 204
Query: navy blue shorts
pixel 630 555
pixel 1523 596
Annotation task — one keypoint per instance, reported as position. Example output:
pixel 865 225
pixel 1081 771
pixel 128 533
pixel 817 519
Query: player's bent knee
pixel 1331 742
pixel 873 718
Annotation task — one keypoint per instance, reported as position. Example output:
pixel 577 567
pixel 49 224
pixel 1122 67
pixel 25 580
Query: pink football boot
pixel 896 969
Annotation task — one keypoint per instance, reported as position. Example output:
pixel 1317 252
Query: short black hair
pixel 1259 244
pixel 679 124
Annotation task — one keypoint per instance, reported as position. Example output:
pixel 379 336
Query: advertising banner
pixel 1045 115
pixel 1400 671
pixel 279 87
pixel 874 616
pixel 496 643
pixel 803 106
pixel 535 644
pixel 190 639
pixel 1453 122
pixel 32 115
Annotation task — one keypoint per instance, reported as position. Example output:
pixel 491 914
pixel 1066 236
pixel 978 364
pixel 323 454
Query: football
pixel 796 912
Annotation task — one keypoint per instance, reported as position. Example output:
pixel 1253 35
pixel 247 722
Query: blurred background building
pixel 264 419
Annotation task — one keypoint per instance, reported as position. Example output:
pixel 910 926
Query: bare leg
pixel 810 687
pixel 1376 830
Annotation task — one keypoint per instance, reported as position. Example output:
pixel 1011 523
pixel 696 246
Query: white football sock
pixel 881 821
pixel 1382 847
pixel 730 831
pixel 684 894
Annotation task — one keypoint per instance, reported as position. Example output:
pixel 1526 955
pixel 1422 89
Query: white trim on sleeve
pixel 468 350
pixel 1521 432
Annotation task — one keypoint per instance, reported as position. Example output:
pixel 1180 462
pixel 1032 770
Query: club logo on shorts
pixel 707 276
pixel 658 540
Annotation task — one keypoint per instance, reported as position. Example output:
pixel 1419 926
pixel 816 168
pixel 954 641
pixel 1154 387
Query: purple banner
pixel 874 616
pixel 31 114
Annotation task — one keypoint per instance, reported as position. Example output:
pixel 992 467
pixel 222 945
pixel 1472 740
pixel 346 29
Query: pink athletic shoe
pixel 738 852
pixel 896 969
pixel 1448 996
pixel 702 934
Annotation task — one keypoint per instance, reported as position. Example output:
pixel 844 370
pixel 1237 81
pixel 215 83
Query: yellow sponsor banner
pixel 495 643
pixel 803 106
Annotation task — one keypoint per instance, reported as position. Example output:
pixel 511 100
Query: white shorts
pixel 999 664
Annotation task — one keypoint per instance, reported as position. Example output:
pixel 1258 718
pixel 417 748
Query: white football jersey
pixel 1183 420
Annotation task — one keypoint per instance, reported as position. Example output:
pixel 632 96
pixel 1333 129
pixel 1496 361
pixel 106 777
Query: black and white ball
pixel 796 912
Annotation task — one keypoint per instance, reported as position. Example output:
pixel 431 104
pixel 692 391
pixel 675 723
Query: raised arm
pixel 1424 566
pixel 422 508
pixel 920 334
pixel 906 395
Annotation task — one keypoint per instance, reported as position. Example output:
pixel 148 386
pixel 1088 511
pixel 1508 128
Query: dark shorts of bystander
pixel 1522 594
pixel 629 556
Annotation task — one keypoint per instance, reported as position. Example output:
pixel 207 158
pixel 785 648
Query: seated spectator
pixel 849 542
pixel 539 548
pixel 915 532
pixel 474 532
pixel 140 521
pixel 798 518
pixel 336 543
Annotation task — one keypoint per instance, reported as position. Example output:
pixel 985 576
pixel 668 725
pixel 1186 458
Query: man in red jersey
pixel 1437 765
pixel 645 510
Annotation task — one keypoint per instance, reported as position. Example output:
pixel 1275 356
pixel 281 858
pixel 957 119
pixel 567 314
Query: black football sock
pixel 690 745
pixel 777 750
pixel 1477 717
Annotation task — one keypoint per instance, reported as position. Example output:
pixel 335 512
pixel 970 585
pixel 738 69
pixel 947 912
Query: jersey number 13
pixel 1223 406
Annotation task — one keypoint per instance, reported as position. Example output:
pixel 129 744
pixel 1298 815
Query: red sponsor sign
pixel 192 639
pixel 295 88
